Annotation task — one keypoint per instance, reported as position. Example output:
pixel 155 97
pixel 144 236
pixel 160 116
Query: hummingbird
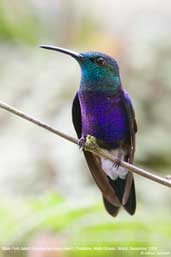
pixel 103 109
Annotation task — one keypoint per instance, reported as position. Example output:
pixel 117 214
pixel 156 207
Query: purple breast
pixel 103 117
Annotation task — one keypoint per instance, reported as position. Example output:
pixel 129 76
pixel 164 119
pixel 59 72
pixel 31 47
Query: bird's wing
pixel 92 161
pixel 76 115
pixel 129 186
pixel 132 125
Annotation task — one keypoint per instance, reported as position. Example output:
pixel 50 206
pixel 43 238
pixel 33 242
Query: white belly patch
pixel 109 167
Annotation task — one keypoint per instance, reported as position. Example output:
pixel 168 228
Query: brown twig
pixel 96 150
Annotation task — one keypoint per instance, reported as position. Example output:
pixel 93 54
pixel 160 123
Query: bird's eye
pixel 100 61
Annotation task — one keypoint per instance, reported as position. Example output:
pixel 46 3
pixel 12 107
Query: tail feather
pixel 110 208
pixel 119 187
pixel 130 205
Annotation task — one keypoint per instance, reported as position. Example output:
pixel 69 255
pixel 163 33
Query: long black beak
pixel 76 55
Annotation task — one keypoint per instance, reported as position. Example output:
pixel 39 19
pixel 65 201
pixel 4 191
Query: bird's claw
pixel 117 163
pixel 82 142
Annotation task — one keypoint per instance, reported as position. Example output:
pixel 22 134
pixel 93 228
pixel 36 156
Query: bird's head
pixel 99 72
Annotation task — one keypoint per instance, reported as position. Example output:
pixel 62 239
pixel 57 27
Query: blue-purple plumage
pixel 104 117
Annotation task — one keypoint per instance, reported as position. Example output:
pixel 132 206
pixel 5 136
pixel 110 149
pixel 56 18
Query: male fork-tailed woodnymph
pixel 103 109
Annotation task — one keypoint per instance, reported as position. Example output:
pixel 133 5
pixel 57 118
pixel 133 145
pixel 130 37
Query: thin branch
pixel 91 147
pixel 36 121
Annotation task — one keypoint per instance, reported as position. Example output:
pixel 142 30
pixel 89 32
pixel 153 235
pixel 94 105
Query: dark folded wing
pixel 129 198
pixel 132 124
pixel 76 115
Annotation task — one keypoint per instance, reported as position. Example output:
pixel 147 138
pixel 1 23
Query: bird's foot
pixel 82 142
pixel 117 163
pixel 118 158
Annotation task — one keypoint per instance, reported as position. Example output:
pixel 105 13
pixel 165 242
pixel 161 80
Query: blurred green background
pixel 47 196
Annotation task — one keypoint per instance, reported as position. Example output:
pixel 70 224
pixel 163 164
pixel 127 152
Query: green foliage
pixel 86 226
pixel 17 23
